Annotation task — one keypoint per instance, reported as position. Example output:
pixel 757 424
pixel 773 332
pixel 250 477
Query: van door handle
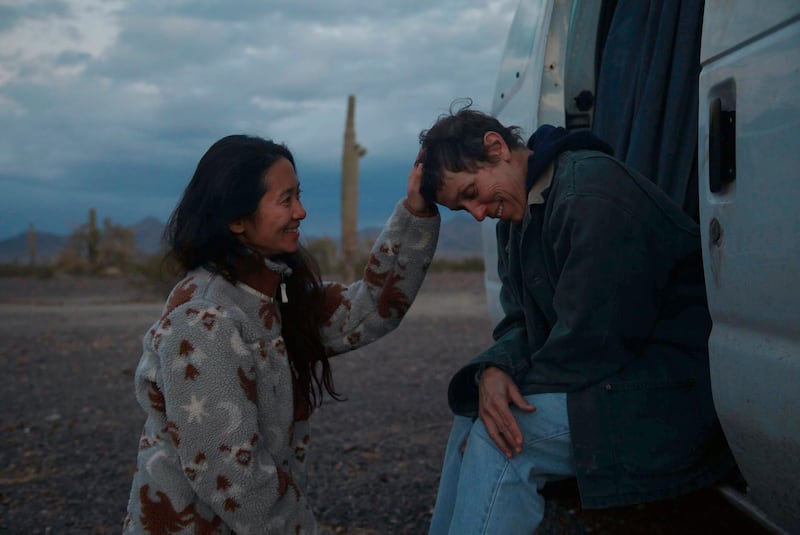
pixel 721 147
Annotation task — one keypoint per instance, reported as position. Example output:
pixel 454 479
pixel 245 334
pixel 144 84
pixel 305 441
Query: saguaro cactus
pixel 92 239
pixel 350 155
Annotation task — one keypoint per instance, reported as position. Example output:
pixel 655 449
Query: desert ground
pixel 69 422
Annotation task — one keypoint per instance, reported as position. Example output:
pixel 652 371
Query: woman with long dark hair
pixel 239 358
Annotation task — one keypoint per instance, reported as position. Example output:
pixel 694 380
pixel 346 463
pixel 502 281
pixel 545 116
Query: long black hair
pixel 228 185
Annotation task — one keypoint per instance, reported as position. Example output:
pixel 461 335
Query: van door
pixel 749 174
pixel 528 93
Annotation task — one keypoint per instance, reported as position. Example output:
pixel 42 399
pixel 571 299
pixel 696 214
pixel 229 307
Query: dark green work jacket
pixel 604 299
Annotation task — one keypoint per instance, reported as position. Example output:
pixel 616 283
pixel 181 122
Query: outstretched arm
pixel 398 261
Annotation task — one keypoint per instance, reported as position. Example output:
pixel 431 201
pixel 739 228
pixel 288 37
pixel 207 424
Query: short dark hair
pixel 455 143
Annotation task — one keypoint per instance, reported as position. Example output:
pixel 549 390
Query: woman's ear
pixel 237 226
pixel 496 147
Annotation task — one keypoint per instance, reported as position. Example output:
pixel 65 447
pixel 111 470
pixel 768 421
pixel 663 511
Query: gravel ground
pixel 69 423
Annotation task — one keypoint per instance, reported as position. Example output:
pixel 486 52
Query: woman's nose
pixel 478 211
pixel 299 211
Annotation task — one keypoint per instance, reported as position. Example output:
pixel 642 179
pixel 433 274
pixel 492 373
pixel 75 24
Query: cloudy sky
pixel 110 103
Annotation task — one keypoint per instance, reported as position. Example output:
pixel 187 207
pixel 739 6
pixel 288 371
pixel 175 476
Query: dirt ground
pixel 69 423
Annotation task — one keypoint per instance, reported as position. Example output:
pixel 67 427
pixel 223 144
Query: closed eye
pixel 469 193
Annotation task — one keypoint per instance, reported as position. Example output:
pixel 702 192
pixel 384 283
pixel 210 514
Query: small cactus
pixel 31 245
pixel 92 239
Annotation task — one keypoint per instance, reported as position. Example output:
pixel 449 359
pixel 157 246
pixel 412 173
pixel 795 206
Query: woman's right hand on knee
pixel 496 392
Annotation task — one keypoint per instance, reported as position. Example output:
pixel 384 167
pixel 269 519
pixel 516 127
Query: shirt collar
pixel 542 183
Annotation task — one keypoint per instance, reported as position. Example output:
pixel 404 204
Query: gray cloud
pixel 12 15
pixel 122 98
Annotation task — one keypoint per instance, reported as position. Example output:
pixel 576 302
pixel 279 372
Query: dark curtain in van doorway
pixel 647 95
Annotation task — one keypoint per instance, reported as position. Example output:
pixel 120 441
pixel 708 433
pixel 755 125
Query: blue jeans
pixel 483 491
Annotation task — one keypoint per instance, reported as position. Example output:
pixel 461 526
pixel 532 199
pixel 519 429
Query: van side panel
pixel 529 92
pixel 732 22
pixel 750 223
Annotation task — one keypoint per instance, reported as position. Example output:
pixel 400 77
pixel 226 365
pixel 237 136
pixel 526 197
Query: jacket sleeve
pixel 367 309
pixel 508 352
pixel 210 404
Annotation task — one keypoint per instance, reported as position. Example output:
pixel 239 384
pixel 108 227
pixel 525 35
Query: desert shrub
pixel 73 262
pixel 157 271
pixel 94 251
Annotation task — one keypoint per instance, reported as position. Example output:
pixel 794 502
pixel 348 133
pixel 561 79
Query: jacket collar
pixel 549 141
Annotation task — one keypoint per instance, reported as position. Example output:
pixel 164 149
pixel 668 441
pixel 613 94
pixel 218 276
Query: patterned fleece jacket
pixel 222 449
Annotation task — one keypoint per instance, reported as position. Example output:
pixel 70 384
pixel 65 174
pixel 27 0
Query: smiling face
pixel 274 227
pixel 495 190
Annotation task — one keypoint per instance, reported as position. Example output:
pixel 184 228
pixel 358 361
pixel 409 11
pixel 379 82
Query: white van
pixel 703 98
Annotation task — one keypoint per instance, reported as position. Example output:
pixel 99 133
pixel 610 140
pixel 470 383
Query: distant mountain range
pixel 459 237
